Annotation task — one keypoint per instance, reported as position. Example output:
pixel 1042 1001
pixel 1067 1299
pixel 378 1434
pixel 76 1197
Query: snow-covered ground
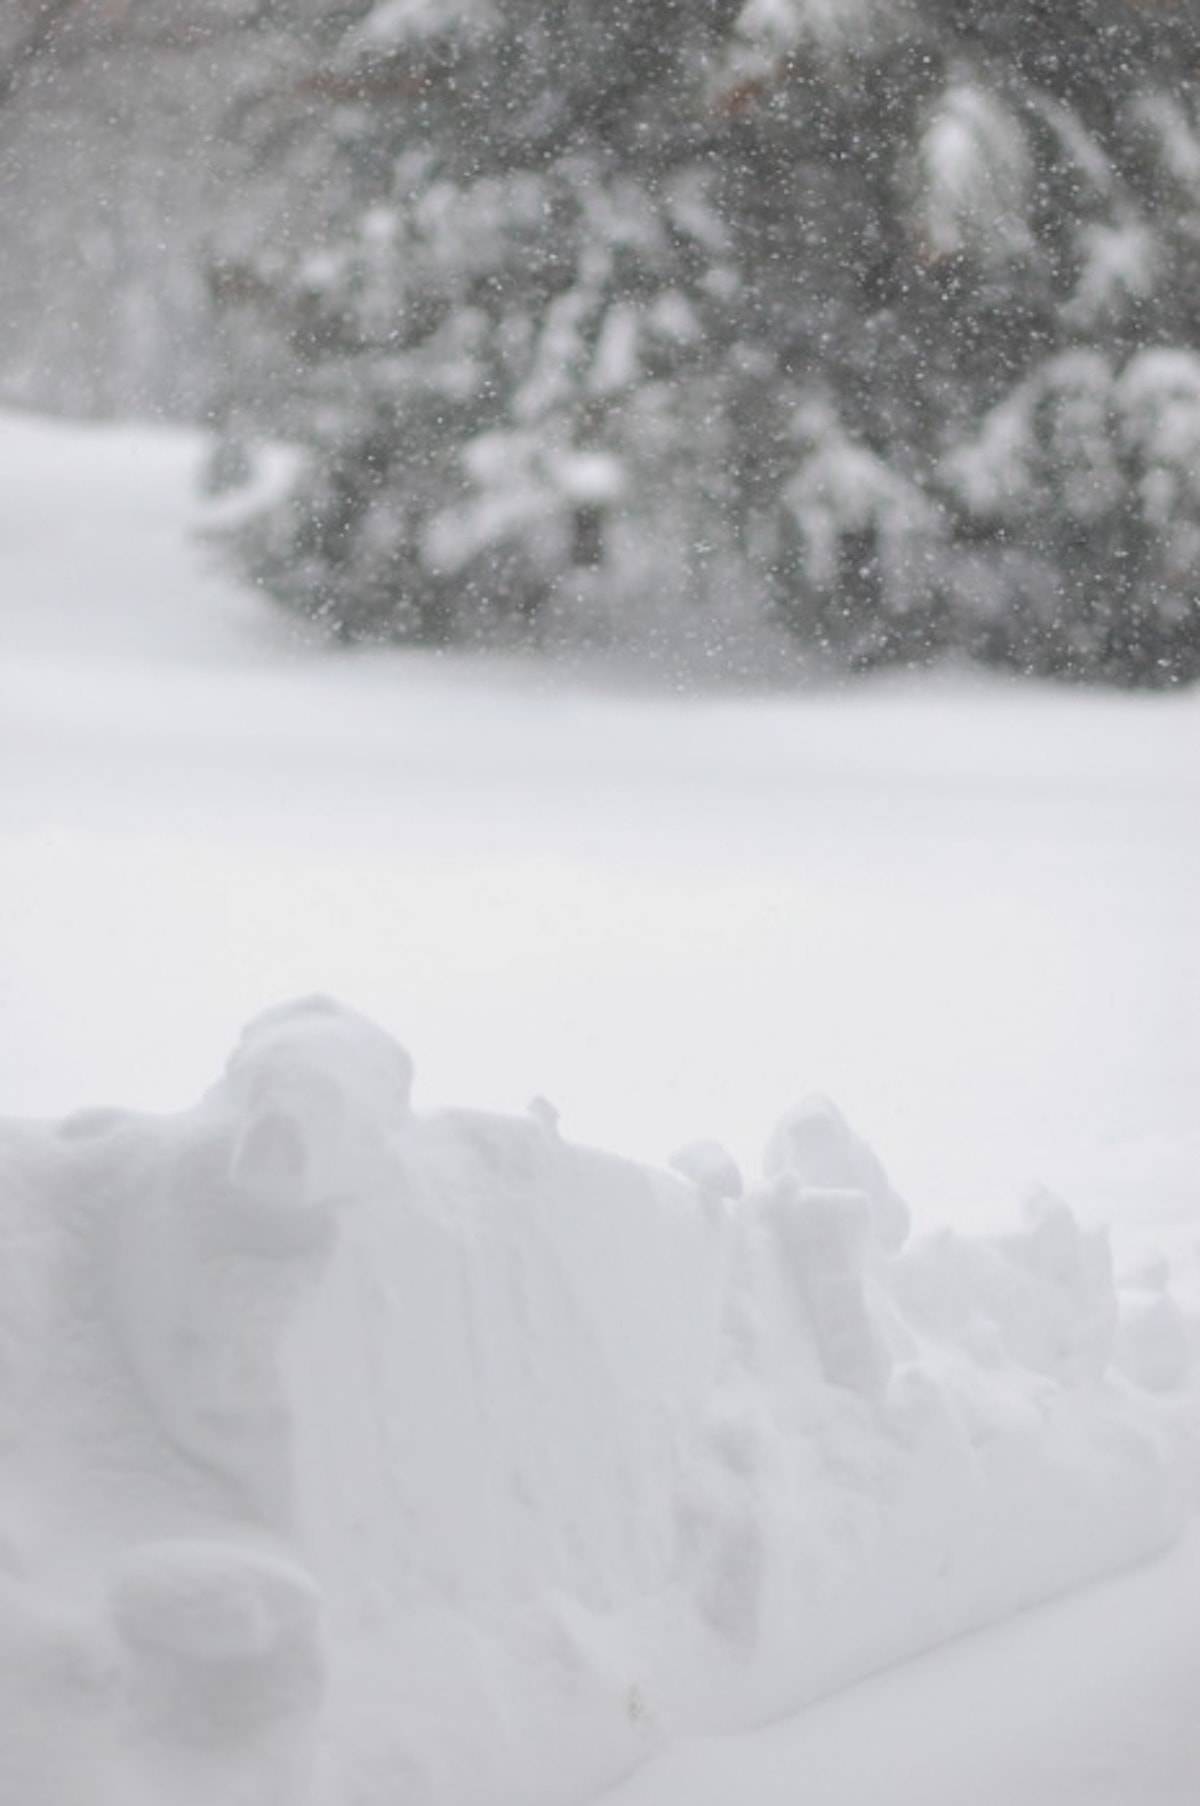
pixel 1090 1702
pixel 581 1457
pixel 966 910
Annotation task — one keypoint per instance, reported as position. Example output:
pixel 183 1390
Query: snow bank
pixel 362 1457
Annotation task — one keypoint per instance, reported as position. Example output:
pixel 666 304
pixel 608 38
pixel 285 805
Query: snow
pixel 1166 121
pixel 781 25
pixel 966 912
pixel 1089 422
pixel 362 1446
pixel 395 24
pixel 974 175
pixel 1117 268
pixel 842 486
pixel 352 1441
pixel 1095 1723
pixel 1159 394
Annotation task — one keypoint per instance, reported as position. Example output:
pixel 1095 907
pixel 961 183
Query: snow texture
pixel 974 171
pixel 374 1457
pixel 357 1455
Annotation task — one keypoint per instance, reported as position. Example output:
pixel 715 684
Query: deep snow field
pixel 580 1459
pixel 967 911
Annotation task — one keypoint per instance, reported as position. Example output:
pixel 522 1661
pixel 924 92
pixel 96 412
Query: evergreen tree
pixel 869 325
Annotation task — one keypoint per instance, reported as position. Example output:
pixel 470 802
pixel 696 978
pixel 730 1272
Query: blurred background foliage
pixel 731 334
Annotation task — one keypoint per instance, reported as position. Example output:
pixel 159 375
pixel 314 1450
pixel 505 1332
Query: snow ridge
pixel 359 1456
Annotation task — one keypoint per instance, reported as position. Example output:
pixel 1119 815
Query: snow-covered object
pixel 395 25
pixel 831 26
pixel 1057 426
pixel 314 1086
pixel 823 1238
pixel 1084 425
pixel 223 1671
pixel 1042 1297
pixel 1118 267
pixel 973 177
pixel 710 1167
pixel 170 1644
pixel 1158 395
pixel 843 490
pixel 1154 1344
pixel 816 1144
pixel 355 1455
pixel 544 1113
pixel 1165 121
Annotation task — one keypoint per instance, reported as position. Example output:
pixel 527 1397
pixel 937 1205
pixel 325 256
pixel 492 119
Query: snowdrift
pixel 371 1458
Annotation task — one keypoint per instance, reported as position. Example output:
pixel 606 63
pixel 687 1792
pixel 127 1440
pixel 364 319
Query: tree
pixel 728 329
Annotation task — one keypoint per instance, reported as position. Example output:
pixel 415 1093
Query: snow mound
pixel 356 1455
